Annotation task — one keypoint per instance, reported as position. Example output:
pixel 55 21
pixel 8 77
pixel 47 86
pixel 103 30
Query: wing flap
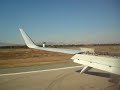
pixel 109 64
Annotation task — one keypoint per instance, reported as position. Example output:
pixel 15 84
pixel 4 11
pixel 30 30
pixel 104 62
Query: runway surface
pixel 54 77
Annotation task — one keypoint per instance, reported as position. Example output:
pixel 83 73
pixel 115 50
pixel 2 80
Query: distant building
pixel 44 44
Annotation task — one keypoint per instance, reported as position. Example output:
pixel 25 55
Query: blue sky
pixel 84 21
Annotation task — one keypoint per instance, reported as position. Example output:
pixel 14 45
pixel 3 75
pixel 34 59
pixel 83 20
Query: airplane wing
pixel 31 44
pixel 109 64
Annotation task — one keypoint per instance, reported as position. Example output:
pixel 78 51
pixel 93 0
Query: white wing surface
pixel 106 63
pixel 31 44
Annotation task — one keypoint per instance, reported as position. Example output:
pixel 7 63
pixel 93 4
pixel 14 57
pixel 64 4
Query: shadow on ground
pixel 101 74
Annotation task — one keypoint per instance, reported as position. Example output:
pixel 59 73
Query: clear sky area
pixel 84 21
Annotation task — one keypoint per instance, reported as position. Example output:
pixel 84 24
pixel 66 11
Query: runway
pixel 58 77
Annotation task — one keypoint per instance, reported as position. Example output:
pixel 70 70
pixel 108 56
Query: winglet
pixel 27 39
pixel 31 44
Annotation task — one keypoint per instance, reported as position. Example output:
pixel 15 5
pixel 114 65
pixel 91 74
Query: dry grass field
pixel 28 57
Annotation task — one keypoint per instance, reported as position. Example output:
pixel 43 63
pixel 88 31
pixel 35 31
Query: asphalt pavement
pixel 54 77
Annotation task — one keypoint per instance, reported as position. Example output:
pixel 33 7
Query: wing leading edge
pixel 31 44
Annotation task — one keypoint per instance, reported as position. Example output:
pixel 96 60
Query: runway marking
pixel 39 71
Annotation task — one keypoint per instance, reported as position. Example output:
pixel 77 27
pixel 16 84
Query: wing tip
pixel 27 39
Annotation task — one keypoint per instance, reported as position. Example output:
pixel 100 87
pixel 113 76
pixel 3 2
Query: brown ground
pixel 27 57
pixel 111 50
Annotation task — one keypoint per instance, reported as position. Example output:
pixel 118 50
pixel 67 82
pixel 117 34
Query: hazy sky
pixel 85 21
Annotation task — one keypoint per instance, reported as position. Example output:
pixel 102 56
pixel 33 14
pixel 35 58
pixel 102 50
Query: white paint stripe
pixel 39 71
